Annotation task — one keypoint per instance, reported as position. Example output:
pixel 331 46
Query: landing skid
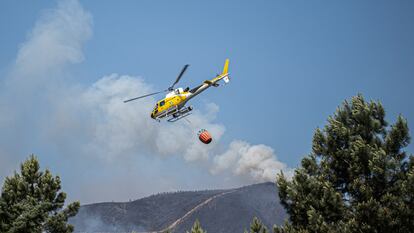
pixel 180 114
pixel 174 119
pixel 175 114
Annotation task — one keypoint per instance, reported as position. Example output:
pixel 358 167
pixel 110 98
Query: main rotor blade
pixel 139 97
pixel 179 76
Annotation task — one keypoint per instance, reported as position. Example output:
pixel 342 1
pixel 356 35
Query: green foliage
pixel 357 178
pixel 30 202
pixel 197 228
pixel 257 227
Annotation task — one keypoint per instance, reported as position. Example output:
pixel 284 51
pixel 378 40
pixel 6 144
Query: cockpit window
pixel 162 103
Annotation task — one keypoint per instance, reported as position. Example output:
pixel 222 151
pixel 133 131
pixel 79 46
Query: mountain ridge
pixel 223 210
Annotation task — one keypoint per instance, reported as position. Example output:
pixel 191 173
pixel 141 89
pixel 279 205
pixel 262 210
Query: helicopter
pixel 173 106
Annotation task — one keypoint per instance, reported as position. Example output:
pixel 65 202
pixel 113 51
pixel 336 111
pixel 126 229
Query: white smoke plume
pixel 55 41
pixel 256 161
pixel 37 74
pixel 98 142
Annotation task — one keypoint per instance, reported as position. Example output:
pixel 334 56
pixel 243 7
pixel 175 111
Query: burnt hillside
pixel 219 211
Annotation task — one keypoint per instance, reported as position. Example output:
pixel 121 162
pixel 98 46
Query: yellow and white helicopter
pixel 172 107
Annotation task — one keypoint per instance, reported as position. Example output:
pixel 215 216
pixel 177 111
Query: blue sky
pixel 291 62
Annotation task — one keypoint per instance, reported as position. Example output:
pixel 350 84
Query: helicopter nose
pixel 152 115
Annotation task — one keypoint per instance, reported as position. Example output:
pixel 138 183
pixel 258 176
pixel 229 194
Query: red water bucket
pixel 204 136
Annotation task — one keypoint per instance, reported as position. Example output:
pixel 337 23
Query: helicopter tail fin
pixel 225 73
pixel 226 67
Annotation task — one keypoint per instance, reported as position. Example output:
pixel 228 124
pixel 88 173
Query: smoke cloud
pixel 256 161
pixel 100 144
pixel 36 79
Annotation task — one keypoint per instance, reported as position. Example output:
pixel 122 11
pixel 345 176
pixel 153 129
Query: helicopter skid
pixel 180 114
pixel 174 119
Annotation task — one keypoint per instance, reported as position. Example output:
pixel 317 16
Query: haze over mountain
pixel 219 211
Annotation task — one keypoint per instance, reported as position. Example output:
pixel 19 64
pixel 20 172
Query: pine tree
pixel 197 228
pixel 30 202
pixel 257 227
pixel 357 178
